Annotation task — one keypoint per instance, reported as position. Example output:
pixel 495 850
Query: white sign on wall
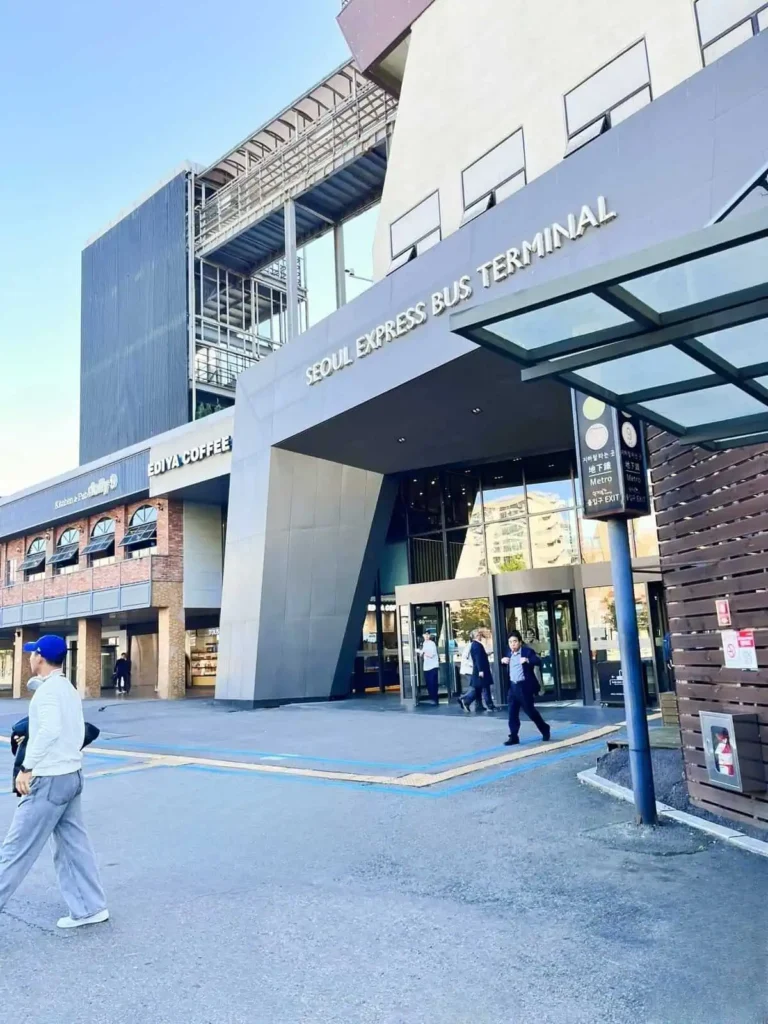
pixel 739 649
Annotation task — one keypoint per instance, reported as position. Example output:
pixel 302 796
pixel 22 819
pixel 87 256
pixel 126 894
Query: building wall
pixel 474 76
pixel 134 341
pixel 203 555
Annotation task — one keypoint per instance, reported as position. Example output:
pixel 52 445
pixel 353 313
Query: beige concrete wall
pixel 476 73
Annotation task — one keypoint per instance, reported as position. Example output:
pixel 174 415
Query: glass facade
pixel 519 514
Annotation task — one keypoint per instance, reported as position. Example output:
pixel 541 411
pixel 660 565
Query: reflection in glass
pixel 550 496
pixel 503 491
pixel 465 616
pixel 571 318
pixel 466 553
pixel 567 646
pixel 406 675
pixel 603 631
pixel 553 539
pixel 531 620
pixel 645 536
pixel 712 405
pixel 422 498
pixel 463 505
pixel 594 540
pixel 719 273
pixel 507 546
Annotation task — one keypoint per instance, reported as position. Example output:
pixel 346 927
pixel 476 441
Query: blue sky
pixel 101 101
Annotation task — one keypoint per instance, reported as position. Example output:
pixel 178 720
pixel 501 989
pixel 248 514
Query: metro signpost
pixel 614 480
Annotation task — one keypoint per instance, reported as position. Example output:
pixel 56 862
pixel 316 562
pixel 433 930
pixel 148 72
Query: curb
pixel 589 777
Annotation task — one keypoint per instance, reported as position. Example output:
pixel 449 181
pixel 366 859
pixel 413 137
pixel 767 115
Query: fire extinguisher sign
pixel 739 649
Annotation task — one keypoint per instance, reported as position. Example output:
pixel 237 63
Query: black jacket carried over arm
pixel 20 738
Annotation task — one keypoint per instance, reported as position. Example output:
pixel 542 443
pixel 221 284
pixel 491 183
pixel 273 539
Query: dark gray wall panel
pixel 134 348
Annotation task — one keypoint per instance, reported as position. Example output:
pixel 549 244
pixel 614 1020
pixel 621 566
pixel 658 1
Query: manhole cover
pixel 663 840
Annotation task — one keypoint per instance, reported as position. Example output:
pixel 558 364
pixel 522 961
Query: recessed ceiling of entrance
pixel 677 334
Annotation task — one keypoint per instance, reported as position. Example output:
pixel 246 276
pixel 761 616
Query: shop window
pixel 549 483
pixel 66 558
pixel 725 24
pixel 100 549
pixel 466 553
pixel 554 539
pixel 415 232
pixel 141 536
pixel 508 546
pixel 33 565
pixel 10 572
pixel 496 175
pixel 594 540
pixel 607 97
pixel 604 638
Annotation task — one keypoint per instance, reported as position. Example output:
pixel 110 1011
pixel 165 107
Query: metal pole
pixel 291 271
pixel 632 671
pixel 341 270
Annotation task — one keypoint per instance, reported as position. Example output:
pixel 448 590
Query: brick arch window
pixel 66 558
pixel 141 536
pixel 101 546
pixel 33 565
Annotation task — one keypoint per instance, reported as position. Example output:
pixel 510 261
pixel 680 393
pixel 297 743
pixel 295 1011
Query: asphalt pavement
pixel 241 896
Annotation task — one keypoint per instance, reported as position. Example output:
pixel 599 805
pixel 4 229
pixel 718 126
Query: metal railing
pixel 346 132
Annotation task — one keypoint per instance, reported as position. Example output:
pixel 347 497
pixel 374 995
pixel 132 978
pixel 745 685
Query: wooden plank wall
pixel 712 516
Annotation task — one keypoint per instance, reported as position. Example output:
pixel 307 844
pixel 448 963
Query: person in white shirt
pixel 50 783
pixel 431 665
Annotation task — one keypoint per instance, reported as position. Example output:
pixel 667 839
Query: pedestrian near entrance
pixel 431 665
pixel 122 674
pixel 476 671
pixel 50 783
pixel 523 687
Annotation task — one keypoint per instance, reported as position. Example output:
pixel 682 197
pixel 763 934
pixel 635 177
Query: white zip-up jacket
pixel 56 728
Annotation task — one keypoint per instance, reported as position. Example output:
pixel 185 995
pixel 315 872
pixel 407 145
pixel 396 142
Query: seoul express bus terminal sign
pixel 498 269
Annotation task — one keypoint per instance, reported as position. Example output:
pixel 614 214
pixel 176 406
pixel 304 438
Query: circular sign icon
pixel 596 436
pixel 730 650
pixel 593 408
pixel 629 434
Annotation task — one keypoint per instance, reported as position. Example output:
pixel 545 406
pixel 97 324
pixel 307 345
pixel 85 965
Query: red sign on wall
pixel 723 609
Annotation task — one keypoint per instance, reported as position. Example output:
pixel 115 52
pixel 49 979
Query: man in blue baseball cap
pixel 50 783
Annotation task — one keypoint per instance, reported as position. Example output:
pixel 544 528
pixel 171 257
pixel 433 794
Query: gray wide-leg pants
pixel 52 811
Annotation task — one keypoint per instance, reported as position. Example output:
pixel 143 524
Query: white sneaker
pixel 71 922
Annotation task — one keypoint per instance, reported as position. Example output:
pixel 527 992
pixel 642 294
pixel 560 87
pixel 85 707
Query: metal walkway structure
pixel 326 154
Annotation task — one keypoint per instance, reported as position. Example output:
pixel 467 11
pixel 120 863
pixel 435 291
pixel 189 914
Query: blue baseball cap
pixel 51 647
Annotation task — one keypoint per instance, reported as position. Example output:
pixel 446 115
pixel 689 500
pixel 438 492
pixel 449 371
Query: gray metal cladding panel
pixel 32 612
pixel 56 608
pixel 106 600
pixel 137 595
pixel 12 615
pixel 80 604
pixel 134 345
pixel 84 493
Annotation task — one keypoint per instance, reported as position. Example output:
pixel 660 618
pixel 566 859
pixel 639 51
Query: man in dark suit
pixel 481 679
pixel 523 687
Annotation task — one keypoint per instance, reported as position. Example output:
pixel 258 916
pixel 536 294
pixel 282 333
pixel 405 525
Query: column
pixel 291 270
pixel 339 261
pixel 171 637
pixel 21 669
pixel 89 658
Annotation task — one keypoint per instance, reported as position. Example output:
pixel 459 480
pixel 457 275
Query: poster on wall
pixel 612 460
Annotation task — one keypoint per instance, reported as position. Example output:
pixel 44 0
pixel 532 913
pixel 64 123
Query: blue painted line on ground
pixel 223 752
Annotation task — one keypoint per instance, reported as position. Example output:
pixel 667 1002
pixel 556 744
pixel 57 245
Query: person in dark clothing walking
pixel 122 674
pixel 523 687
pixel 480 679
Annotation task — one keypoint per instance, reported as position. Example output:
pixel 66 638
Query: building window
pixel 141 536
pixel 33 565
pixel 66 558
pixel 724 24
pixel 496 175
pixel 10 572
pixel 415 232
pixel 100 549
pixel 607 97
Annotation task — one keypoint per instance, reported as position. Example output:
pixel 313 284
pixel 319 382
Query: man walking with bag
pixel 523 688
pixel 50 783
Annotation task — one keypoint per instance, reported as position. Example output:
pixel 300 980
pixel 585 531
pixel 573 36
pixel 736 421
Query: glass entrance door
pixel 546 623
pixel 429 622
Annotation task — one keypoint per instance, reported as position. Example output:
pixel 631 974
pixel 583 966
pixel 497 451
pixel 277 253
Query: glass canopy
pixel 677 334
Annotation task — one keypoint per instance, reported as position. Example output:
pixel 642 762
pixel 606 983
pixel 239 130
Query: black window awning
pixel 143 534
pixel 99 544
pixel 33 561
pixel 64 555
